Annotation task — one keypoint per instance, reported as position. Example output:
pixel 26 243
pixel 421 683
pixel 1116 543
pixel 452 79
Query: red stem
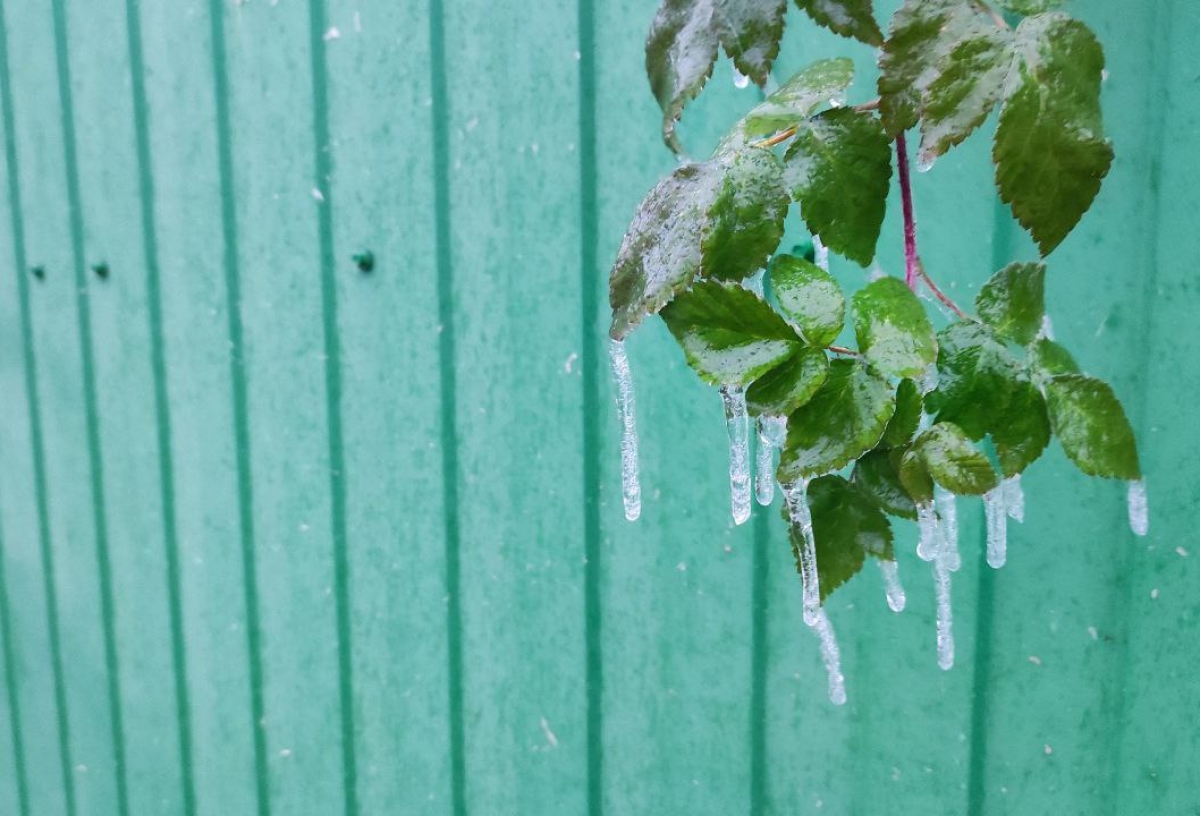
pixel 911 264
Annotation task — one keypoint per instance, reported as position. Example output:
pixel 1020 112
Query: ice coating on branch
pixel 994 505
pixel 820 253
pixel 831 656
pixel 1014 498
pixel 737 423
pixel 947 512
pixel 631 488
pixel 771 433
pixel 945 614
pixel 927 544
pixel 796 496
pixel 1139 510
pixel 890 571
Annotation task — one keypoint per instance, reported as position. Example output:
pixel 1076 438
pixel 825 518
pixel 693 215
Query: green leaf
pixel 1047 359
pixel 745 222
pixel 809 297
pixel 681 48
pixel 840 168
pixel 844 420
pixel 1023 431
pixel 914 476
pixel 729 335
pixel 1029 6
pixel 906 420
pixel 797 98
pixel 976 377
pixel 1090 423
pixel 789 385
pixel 850 18
pixel 1050 152
pixel 954 462
pixel 877 476
pixel 1013 301
pixel 847 527
pixel 892 329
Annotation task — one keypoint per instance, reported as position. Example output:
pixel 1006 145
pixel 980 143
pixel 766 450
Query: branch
pixel 843 350
pixel 867 107
pixel 938 293
pixel 781 136
pixel 991 12
pixel 911 262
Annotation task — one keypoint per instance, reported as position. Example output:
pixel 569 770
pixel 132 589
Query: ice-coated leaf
pixel 809 297
pixel 1090 423
pixel 1047 359
pixel 954 462
pixel 907 418
pixel 850 18
pixel 1050 152
pixel 745 222
pixel 847 528
pixel 969 84
pixel 914 475
pixel 790 384
pixel 660 254
pixel 681 48
pixel 839 168
pixel 892 329
pixel 729 335
pixel 1023 431
pixel 842 421
pixel 877 476
pixel 976 377
pixel 1030 6
pixel 1013 301
pixel 796 99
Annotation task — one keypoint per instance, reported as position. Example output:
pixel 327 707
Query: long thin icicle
pixel 927 545
pixel 771 433
pixel 1139 509
pixel 947 512
pixel 796 496
pixel 1014 498
pixel 997 526
pixel 896 599
pixel 737 422
pixel 631 487
pixel 945 614
pixel 832 657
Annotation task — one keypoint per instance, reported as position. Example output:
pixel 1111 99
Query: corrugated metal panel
pixel 283 536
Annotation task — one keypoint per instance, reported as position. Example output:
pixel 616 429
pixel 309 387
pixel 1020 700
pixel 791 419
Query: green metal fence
pixel 283 536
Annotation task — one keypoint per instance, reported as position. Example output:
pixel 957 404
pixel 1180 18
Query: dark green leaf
pixel 954 462
pixel 750 31
pixel 789 385
pixel 968 86
pixel 976 377
pixel 1013 301
pixel 1023 430
pixel 809 297
pixel 660 254
pixel 877 476
pixel 840 168
pixel 850 18
pixel 844 420
pixel 745 223
pixel 914 476
pixel 892 329
pixel 1090 423
pixel 847 527
pixel 797 98
pixel 729 335
pixel 1047 359
pixel 1050 151
pixel 904 423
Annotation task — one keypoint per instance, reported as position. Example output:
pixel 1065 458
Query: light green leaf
pixel 839 168
pixel 850 18
pixel 954 462
pixel 789 385
pixel 745 223
pixel 904 423
pixel 1013 301
pixel 844 420
pixel 847 527
pixel 892 329
pixel 729 335
pixel 1091 424
pixel 660 254
pixel 809 297
pixel 1022 432
pixel 1050 152
pixel 1047 359
pixel 877 476
pixel 976 378
pixel 797 98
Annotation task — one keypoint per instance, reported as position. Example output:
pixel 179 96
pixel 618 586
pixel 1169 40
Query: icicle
pixel 1139 511
pixel 948 524
pixel 1014 498
pixel 890 571
pixel 771 433
pixel 997 526
pixel 1047 330
pixel 740 80
pixel 928 545
pixel 832 657
pixel 945 622
pixel 926 161
pixel 631 488
pixel 820 253
pixel 795 494
pixel 738 425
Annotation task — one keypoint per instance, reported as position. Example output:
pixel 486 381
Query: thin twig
pixel 991 12
pixel 939 294
pixel 867 107
pixel 781 136
pixel 911 263
pixel 843 350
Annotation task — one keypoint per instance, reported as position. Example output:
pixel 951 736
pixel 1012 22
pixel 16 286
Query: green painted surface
pixel 282 536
